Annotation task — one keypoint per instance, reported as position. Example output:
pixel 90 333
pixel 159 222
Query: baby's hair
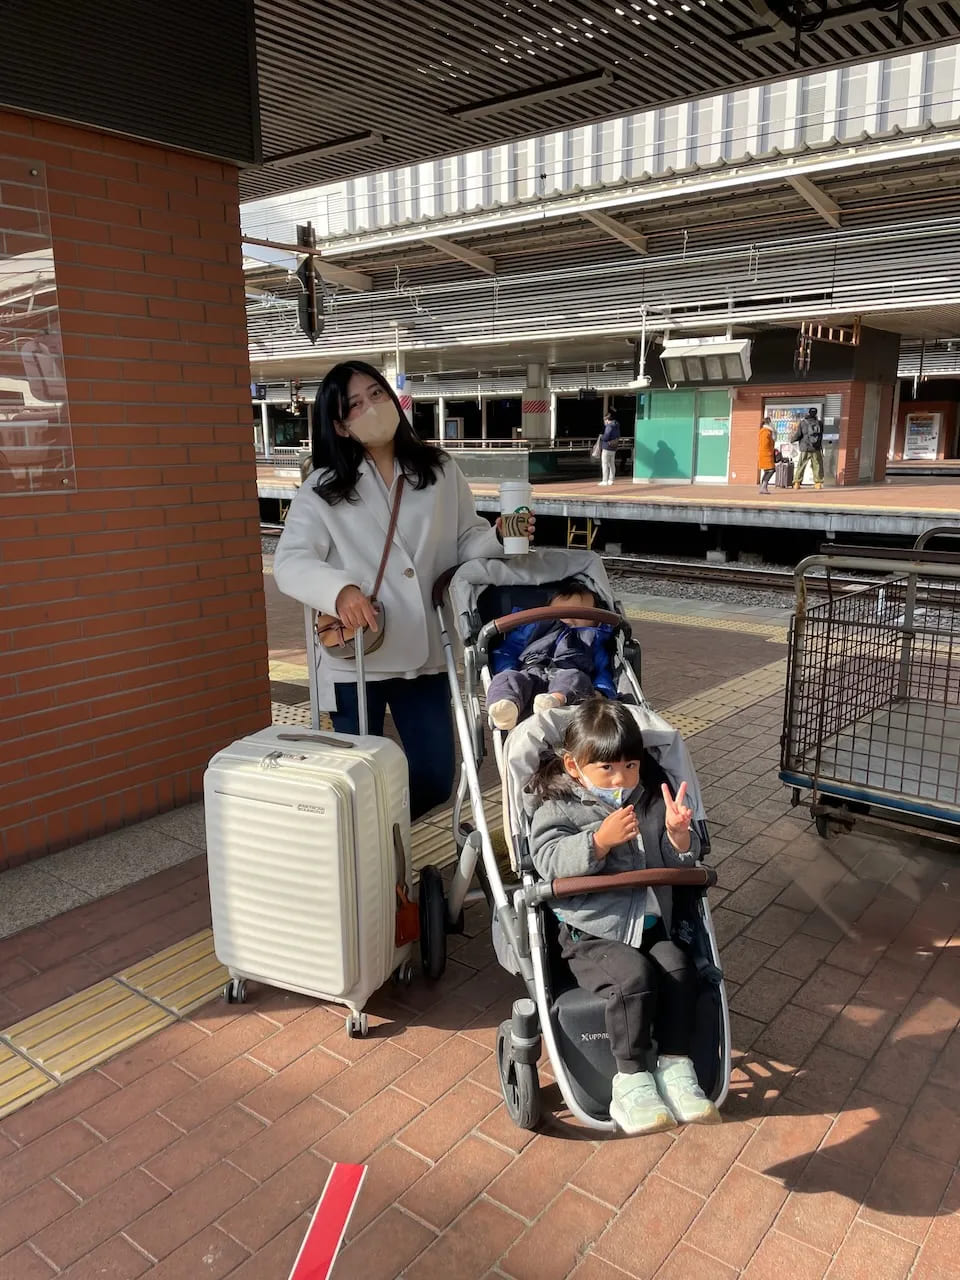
pixel 598 731
pixel 572 587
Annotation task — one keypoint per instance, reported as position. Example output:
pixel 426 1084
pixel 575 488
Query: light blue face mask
pixel 612 795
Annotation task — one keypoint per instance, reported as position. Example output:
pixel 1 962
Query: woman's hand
pixel 531 526
pixel 679 818
pixel 354 609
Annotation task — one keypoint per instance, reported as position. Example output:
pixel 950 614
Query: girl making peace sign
pixel 608 808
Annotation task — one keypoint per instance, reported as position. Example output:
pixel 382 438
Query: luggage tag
pixel 407 925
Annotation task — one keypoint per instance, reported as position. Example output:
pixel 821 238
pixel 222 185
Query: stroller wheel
pixel 433 923
pixel 519 1083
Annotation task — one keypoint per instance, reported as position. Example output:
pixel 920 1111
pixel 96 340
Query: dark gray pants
pixel 521 687
pixel 650 988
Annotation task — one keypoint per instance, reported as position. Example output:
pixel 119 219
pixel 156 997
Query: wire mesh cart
pixel 872 710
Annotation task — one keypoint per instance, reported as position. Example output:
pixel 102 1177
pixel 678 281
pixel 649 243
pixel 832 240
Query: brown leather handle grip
pixel 550 612
pixel 441 584
pixel 697 877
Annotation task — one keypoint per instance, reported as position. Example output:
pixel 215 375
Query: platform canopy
pixel 351 86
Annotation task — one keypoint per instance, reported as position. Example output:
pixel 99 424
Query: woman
pixel 331 547
pixel 766 455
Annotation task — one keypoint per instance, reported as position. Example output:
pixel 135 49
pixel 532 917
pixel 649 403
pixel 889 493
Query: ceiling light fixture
pixel 351 143
pixel 511 101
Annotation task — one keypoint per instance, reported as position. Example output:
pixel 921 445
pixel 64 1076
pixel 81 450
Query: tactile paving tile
pixel 181 977
pixel 770 630
pixel 86 1028
pixel 20 1081
pixel 723 700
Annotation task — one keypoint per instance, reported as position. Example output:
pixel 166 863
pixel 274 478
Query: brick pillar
pixel 131 602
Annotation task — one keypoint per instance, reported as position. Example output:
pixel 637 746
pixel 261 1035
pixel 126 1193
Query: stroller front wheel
pixel 519 1083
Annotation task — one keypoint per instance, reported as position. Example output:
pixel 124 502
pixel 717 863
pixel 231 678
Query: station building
pixel 523 290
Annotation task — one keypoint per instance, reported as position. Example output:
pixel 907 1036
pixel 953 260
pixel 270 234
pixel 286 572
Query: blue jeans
pixel 422 714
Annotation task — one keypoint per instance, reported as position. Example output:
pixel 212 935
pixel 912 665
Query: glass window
pixel 813 105
pixel 852 115
pixel 895 92
pixel 36 447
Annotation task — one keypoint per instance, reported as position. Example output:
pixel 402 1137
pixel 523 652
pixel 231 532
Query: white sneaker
pixel 636 1106
pixel 679 1088
pixel 504 714
pixel 548 701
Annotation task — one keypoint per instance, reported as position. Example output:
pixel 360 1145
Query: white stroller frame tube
pixel 468 858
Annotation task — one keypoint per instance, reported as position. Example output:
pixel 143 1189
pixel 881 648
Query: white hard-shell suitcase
pixel 308 835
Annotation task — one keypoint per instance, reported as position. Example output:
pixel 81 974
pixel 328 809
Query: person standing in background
pixel 608 449
pixel 807 435
pixel 766 455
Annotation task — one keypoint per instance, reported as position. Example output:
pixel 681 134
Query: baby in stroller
pixel 553 662
pixel 607 808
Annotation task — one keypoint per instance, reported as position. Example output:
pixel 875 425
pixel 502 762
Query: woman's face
pixel 362 393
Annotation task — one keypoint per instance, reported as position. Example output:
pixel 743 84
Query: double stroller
pixel 483 600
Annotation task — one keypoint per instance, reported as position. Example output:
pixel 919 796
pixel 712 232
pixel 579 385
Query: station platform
pixel 146 1128
pixel 904 507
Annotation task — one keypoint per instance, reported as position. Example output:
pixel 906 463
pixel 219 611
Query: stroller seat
pixel 577 1016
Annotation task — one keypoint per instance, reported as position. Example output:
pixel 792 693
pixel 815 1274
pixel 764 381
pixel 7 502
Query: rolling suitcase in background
pixel 308 843
pixel 784 474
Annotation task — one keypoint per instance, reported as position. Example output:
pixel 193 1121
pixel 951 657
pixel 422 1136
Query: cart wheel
pixel 235 991
pixel 433 923
pixel 519 1083
pixel 404 974
pixel 356 1025
pixel 830 828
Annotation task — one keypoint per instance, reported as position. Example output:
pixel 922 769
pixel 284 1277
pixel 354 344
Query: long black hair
pixel 339 457
pixel 598 730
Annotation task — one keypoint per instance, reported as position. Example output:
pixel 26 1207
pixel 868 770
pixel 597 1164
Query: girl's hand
pixel 616 828
pixel 679 818
pixel 530 526
pixel 354 609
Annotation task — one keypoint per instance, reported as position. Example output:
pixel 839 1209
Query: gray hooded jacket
pixel 561 844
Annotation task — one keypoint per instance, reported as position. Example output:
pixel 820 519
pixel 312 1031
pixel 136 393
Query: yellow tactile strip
pixel 769 630
pixel 182 977
pixel 86 1028
pixel 50 1047
pixel 20 1081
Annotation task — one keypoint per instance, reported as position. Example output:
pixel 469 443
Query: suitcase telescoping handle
pixel 363 722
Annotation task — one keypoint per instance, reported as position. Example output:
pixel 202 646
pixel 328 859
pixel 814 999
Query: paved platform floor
pixel 200 1150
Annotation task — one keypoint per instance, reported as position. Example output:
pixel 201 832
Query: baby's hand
pixel 615 829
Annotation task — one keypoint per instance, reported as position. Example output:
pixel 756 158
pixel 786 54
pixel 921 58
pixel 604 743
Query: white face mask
pixel 376 426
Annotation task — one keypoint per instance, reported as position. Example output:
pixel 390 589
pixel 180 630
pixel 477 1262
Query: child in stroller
pixel 551 663
pixel 607 808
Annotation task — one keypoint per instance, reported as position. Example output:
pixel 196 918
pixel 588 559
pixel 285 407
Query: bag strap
pixel 394 514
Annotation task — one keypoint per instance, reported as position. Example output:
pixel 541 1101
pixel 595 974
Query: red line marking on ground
pixel 325 1234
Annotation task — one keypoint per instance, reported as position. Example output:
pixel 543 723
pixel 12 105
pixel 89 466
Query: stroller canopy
pixel 537 568
pixel 534 738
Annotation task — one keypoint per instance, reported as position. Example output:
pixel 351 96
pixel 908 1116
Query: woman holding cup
pixel 383 510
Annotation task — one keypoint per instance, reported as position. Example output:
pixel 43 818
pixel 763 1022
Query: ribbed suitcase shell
pixel 300 855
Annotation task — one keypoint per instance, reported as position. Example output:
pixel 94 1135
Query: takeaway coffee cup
pixel 515 498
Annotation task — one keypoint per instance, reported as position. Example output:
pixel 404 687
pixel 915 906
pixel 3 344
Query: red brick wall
pixel 132 622
pixel 748 412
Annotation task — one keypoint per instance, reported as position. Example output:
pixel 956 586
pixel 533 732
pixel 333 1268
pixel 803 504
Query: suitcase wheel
pixel 235 991
pixel 433 923
pixel 403 974
pixel 356 1025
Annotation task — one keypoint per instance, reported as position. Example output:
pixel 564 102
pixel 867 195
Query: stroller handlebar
pixel 551 612
pixel 568 886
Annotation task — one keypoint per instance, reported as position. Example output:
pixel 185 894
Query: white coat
pixel 324 548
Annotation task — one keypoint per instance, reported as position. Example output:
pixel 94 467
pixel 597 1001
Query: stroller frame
pixel 518 909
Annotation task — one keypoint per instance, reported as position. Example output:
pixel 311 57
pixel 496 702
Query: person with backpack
pixel 608 449
pixel 807 435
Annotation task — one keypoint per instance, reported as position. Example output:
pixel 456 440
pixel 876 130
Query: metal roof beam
pixel 816 199
pixel 846 17
pixel 470 256
pixel 632 238
pixel 325 270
